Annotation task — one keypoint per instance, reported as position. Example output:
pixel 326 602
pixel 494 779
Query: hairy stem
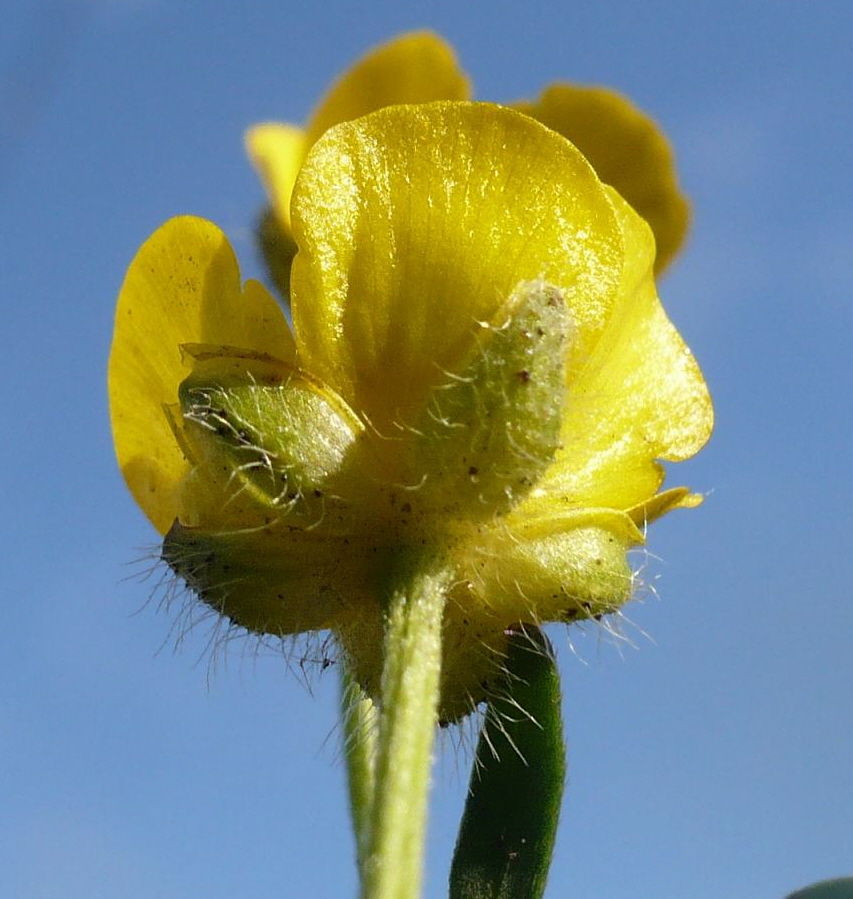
pixel 393 860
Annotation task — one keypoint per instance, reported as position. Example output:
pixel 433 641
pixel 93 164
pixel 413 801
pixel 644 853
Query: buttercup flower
pixel 624 145
pixel 479 367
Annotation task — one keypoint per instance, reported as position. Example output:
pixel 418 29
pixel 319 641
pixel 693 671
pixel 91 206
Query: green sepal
pixel 508 828
pixel 277 249
pixel 268 579
pixel 360 722
pixel 268 432
pixel 493 426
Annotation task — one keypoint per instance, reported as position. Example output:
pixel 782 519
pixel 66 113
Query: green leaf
pixel 507 834
pixel 842 888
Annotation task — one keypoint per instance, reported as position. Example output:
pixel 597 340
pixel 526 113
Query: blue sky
pixel 710 751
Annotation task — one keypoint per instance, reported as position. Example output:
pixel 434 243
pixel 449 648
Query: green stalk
pixel 394 844
pixel 358 715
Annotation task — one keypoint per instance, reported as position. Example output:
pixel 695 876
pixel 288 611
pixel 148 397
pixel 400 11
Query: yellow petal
pixel 628 151
pixel 640 397
pixel 183 287
pixel 417 67
pixel 416 223
pixel 414 68
pixel 277 151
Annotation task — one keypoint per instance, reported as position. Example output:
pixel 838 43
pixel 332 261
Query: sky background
pixel 711 753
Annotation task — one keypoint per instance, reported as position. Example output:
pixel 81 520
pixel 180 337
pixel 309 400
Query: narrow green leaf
pixel 842 888
pixel 507 833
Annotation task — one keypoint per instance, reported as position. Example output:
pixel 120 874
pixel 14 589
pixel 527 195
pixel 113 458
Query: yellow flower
pixel 479 363
pixel 623 144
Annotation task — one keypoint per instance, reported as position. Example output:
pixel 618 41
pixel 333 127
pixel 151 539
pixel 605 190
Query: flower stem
pixel 393 861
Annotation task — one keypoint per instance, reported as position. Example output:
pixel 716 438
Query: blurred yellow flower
pixel 624 145
pixel 479 361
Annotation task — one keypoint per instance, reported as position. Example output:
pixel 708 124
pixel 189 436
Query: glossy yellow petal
pixel 416 223
pixel 640 397
pixel 277 151
pixel 183 287
pixel 417 67
pixel 628 151
pixel 414 68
